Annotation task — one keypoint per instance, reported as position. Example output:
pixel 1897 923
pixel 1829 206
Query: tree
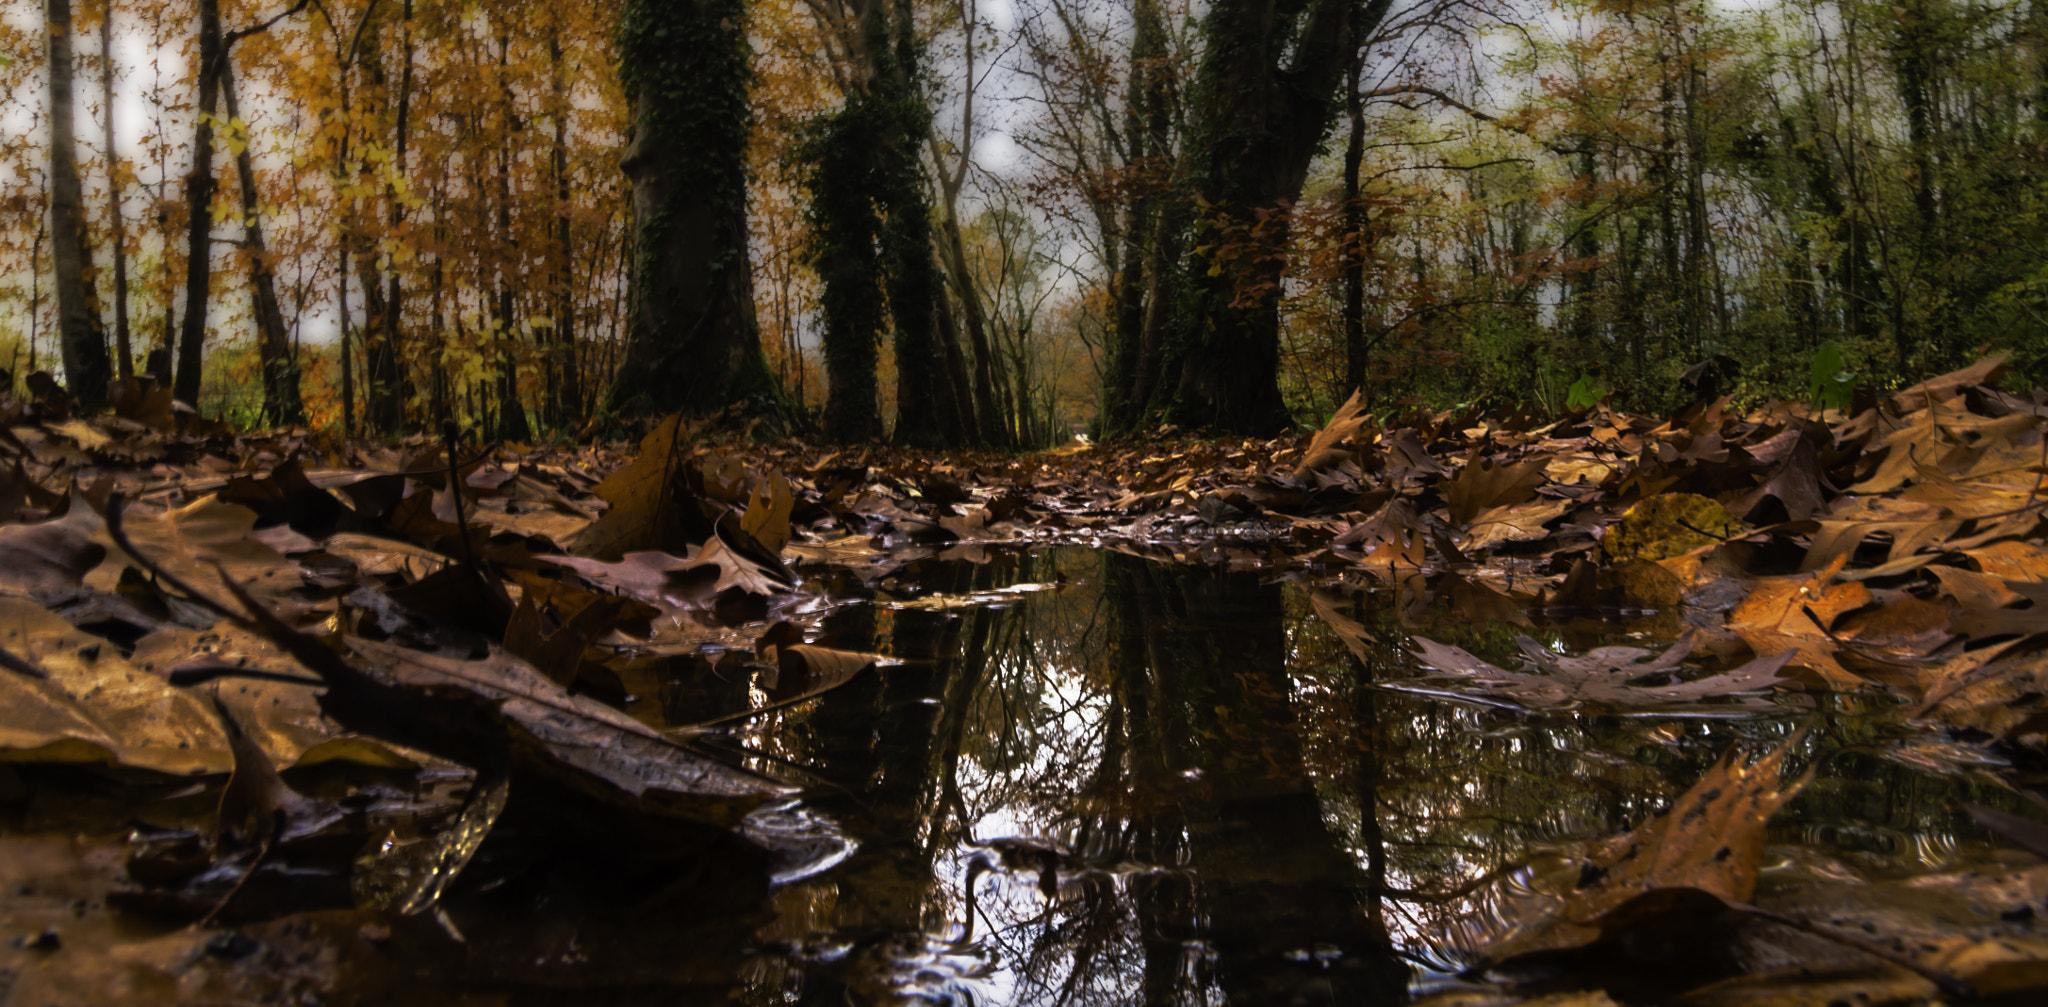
pixel 870 217
pixel 281 402
pixel 80 335
pixel 1264 94
pixel 124 359
pixel 692 340
pixel 215 48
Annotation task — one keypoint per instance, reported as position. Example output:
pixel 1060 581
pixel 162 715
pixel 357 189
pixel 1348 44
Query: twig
pixel 455 491
pixel 262 852
pixel 115 504
pixel 1949 984
pixel 21 665
pixel 209 672
pixel 1687 525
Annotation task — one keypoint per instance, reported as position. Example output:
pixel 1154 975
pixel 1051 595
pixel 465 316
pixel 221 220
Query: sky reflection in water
pixel 1173 785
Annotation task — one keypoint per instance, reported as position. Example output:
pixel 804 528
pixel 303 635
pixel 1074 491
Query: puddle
pixel 1092 779
pixel 1165 784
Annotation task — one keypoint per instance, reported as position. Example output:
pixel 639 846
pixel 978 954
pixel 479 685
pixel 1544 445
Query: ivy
pixel 687 70
pixel 869 223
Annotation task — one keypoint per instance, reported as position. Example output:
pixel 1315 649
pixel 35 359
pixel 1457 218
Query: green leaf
pixel 1831 387
pixel 1585 393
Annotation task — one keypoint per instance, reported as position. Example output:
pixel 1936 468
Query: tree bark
pixel 512 424
pixel 975 321
pixel 280 366
pixel 692 342
pixel 1258 126
pixel 568 398
pixel 124 354
pixel 1354 236
pixel 80 334
pixel 199 186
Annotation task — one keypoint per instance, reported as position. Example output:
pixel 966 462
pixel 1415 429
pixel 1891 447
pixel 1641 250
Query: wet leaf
pixel 1609 677
pixel 257 807
pixel 409 877
pixel 1666 525
pixel 557 653
pixel 95 706
pixel 804 670
pixel 1483 485
pixel 1711 841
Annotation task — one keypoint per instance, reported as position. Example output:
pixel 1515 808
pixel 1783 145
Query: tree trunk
pixel 975 322
pixel 1257 127
pixel 348 382
pixel 913 286
pixel 280 366
pixel 568 400
pixel 384 390
pixel 1149 246
pixel 80 335
pixel 840 157
pixel 512 424
pixel 124 360
pixel 199 184
pixel 692 341
pixel 1354 237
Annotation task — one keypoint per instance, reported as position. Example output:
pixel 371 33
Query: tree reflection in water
pixel 1111 779
pixel 1167 785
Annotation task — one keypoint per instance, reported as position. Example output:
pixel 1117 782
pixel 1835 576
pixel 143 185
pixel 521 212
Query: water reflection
pixel 1171 785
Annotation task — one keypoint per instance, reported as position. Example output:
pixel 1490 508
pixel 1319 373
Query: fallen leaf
pixel 95 706
pixel 767 516
pixel 1483 485
pixel 1667 525
pixel 49 560
pixel 804 670
pixel 1603 677
pixel 1327 447
pixel 1518 523
pixel 1711 842
pixel 646 497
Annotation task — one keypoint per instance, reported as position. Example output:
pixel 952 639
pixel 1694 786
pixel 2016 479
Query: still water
pixel 1090 778
pixel 1166 784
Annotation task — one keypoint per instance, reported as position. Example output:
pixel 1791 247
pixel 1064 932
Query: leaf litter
pixel 488 627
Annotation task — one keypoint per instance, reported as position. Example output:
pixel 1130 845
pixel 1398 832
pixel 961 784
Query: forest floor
pixel 266 694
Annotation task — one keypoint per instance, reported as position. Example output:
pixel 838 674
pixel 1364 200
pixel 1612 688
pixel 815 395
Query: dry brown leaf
pixel 1483 485
pixel 1971 589
pixel 199 542
pixel 1518 523
pixel 1327 447
pixel 767 516
pixel 645 496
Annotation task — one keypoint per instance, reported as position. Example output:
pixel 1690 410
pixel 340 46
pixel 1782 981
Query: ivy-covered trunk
pixel 692 340
pixel 839 163
pixel 871 241
pixel 1265 92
